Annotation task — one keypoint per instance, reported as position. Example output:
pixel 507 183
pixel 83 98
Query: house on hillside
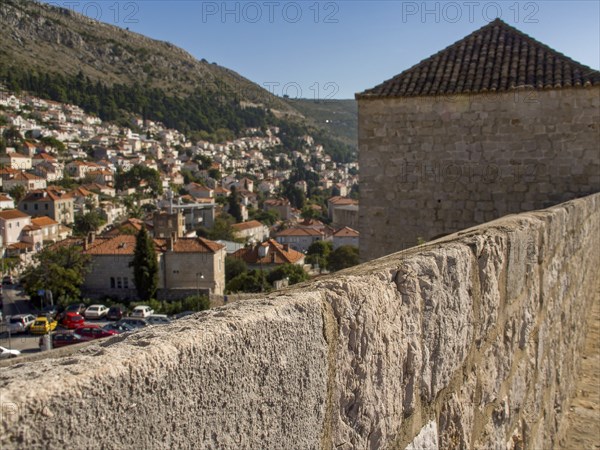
pixel 251 231
pixel 298 238
pixel 497 123
pixel 345 236
pixel 52 202
pixel 269 255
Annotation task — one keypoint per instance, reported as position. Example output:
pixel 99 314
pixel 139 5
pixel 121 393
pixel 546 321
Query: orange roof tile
pixel 44 221
pixel 346 232
pixel 276 254
pixel 11 214
pixel 246 225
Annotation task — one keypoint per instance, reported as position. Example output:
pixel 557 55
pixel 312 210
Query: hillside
pixel 40 37
pixel 58 54
pixel 338 117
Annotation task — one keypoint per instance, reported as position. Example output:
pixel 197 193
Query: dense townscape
pixel 70 178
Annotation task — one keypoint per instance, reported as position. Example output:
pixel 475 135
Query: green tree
pixel 86 223
pixel 318 253
pixel 222 228
pixel 61 270
pixel 12 136
pixel 234 267
pixel 134 177
pixel 235 208
pixel 293 272
pixel 145 266
pixel 343 257
pixel 253 281
pixel 17 192
pixel 50 141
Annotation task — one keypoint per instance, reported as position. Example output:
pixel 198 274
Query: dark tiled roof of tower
pixel 494 58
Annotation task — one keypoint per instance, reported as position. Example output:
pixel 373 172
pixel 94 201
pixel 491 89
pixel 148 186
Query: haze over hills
pixel 41 39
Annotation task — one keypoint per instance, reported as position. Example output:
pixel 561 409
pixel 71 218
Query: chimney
pixel 91 237
pixel 174 236
pixel 286 247
pixel 170 244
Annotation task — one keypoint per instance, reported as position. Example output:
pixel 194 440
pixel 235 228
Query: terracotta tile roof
pixel 31 227
pixel 5 198
pixel 124 244
pixel 24 176
pixel 10 214
pixel 346 232
pixel 276 254
pixel 43 221
pixel 495 58
pixel 52 194
pixel 190 245
pixel 246 225
pixel 299 232
pixel 44 157
pixel 342 201
pixel 277 202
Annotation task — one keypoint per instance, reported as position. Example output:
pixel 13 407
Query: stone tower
pixel 497 123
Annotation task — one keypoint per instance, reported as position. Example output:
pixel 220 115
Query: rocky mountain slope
pixel 46 38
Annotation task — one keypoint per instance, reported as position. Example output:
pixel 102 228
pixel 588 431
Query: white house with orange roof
pixel 300 239
pixel 12 222
pixel 252 230
pixel 345 236
pixel 27 180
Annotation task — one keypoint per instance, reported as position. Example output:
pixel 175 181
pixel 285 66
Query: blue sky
pixel 334 49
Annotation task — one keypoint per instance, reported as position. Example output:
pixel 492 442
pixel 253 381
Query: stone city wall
pixel 468 342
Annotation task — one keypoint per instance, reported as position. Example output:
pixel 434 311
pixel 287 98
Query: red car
pixel 63 339
pixel 72 321
pixel 91 332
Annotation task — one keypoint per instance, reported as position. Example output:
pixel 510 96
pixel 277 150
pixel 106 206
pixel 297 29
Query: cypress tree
pixel 145 266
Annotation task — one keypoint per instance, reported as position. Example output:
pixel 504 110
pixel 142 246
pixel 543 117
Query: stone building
pixel 52 202
pixel 497 123
pixel 186 266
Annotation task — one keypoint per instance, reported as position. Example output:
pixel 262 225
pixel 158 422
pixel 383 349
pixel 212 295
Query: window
pixel 25 206
pixel 112 282
pixel 126 283
pixel 46 206
pixel 35 206
pixel 119 283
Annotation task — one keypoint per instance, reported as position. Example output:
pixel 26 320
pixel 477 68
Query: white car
pixel 95 312
pixel 142 311
pixel 6 353
pixel 20 323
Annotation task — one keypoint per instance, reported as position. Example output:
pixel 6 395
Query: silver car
pixel 20 323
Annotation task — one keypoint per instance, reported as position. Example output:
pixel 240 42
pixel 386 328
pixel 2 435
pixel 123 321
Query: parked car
pixel 96 312
pixel 142 311
pixel 78 308
pixel 158 319
pixel 43 325
pixel 63 339
pixel 20 323
pixel 115 313
pixel 119 327
pixel 7 279
pixel 134 322
pixel 90 332
pixel 72 320
pixel 6 353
